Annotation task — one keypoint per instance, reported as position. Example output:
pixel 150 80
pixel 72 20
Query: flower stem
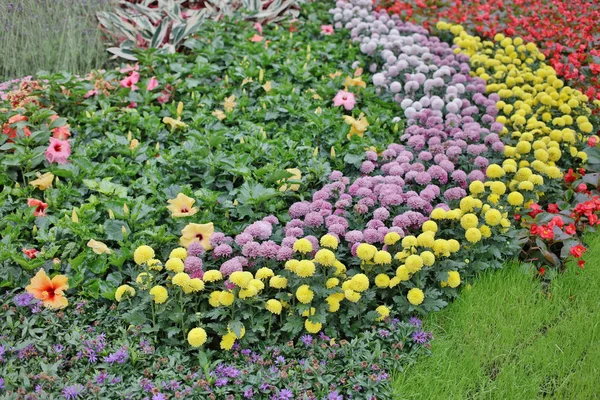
pixel 269 329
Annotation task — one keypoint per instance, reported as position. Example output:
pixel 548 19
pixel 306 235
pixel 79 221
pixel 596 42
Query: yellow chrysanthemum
pixel 515 199
pixel 383 311
pixel 352 296
pixel 359 282
pixel 212 275
pixel 413 263
pixel 325 257
pixel 366 251
pixel 493 217
pixel 303 246
pixel 178 252
pixel 181 279
pixel 304 294
pixel 124 290
pixel 312 327
pixel 175 265
pixel 305 268
pixel 382 257
pixel 415 296
pixel 453 279
pixel 227 341
pixel 197 337
pixel 241 278
pixel 391 238
pixel 382 281
pixel 278 282
pixel 473 235
pixel 274 306
pixel 143 254
pixel 329 241
pixel 159 294
pixel 264 273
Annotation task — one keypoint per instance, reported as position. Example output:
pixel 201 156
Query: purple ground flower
pixel 24 299
pixel 335 396
pixel 284 394
pixel 72 392
pixel 146 385
pixel 307 340
pixel 102 377
pixel 415 321
pixel 249 393
pixel 119 357
pixel 1 383
pixel 420 337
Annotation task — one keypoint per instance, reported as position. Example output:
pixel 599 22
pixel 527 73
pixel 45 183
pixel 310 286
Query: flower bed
pixel 179 203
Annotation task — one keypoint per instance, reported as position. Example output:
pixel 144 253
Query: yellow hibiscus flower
pixel 43 182
pixel 182 206
pixel 229 103
pixel 98 247
pixel 197 233
pixel 296 176
pixel 357 126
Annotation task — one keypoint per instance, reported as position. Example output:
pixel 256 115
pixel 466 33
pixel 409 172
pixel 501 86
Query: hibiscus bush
pixel 226 126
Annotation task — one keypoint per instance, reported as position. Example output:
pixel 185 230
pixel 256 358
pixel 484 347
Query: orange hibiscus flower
pixel 49 291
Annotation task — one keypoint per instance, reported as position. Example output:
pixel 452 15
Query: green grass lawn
pixel 506 338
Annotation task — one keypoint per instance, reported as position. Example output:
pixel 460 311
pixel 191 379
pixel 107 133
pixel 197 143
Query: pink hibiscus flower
pixel 344 98
pixel 58 151
pixel 40 207
pixel 130 81
pixel 327 29
pixel 130 68
pixel 152 84
pixel 90 93
pixel 61 132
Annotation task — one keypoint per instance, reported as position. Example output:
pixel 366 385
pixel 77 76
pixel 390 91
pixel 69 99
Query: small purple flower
pixel 419 337
pixel 249 393
pixel 118 357
pixel 159 396
pixel 335 396
pixel 72 392
pixel 24 299
pixel 146 385
pixel 221 382
pixel 102 377
pixel 58 348
pixel 307 340
pixel 284 394
pixel 414 321
pixel 1 383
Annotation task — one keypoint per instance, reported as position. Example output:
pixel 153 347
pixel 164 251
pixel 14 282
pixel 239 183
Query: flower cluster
pixel 563 30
